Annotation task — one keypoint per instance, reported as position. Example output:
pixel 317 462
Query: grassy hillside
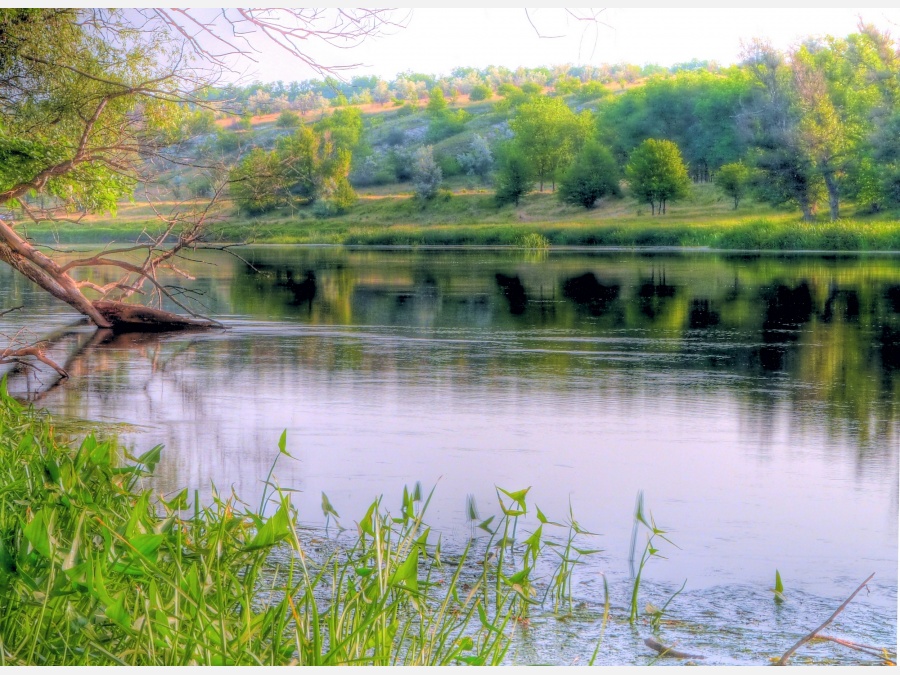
pixel 465 213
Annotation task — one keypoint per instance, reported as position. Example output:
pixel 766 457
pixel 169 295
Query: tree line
pixel 808 128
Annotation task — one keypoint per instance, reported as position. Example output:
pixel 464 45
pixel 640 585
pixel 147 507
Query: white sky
pixel 438 40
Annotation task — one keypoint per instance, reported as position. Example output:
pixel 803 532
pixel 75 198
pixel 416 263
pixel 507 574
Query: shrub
pixel 426 174
pixel 288 119
pixel 592 175
pixel 227 141
pixel 515 176
pixel 480 92
pixel 734 180
pixel 479 160
pixel 258 183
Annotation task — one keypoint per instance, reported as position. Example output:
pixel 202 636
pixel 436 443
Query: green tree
pixel 734 180
pixel 515 177
pixel 549 133
pixel 591 176
pixel 91 101
pixel 656 174
pixel 436 102
pixel 288 119
pixel 480 92
pixel 258 183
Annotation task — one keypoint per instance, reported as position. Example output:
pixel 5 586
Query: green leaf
pixel 779 589
pixel 37 532
pixel 367 524
pixel 327 508
pixel 484 525
pixel 275 529
pixel 116 612
pixel 518 496
pixel 147 544
pixel 282 443
pixel 407 574
pixel 151 458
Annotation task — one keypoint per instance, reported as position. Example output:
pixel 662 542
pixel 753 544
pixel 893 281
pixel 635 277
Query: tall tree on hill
pixel 549 134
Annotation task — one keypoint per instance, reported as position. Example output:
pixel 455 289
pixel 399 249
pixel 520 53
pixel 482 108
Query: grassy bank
pixel 96 571
pixel 469 217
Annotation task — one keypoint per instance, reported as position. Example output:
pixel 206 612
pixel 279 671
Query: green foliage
pixel 436 102
pixel 245 122
pixel 445 124
pixel 478 160
pixel 95 572
pixel 778 591
pixel 480 92
pixel 734 180
pixel 288 119
pixel 305 165
pixel 653 534
pixel 533 240
pixel 259 182
pixel 227 141
pixel 515 177
pixel 426 174
pixel 592 175
pixel 200 122
pixel 338 101
pixel 407 109
pixel 656 173
pixel 344 129
pixel 548 133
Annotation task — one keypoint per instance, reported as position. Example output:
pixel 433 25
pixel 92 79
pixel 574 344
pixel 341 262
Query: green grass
pixel 95 570
pixel 469 216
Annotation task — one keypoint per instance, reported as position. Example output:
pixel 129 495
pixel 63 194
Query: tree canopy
pixel 656 173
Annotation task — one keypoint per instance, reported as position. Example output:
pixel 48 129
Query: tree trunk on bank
pixel 833 194
pixel 806 207
pixel 50 276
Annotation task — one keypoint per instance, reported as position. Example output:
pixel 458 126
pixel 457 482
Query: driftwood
pixel 14 309
pixel 871 650
pixel 12 355
pixel 124 316
pixel 668 652
pixel 806 638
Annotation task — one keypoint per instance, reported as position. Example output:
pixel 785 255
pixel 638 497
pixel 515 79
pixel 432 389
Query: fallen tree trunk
pixel 56 280
pixel 124 316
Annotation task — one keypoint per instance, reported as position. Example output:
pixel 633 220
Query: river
pixel 754 398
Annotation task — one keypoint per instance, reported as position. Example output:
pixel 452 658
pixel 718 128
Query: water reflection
pixel 733 389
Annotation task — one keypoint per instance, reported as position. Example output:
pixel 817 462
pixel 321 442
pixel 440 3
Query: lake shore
pixel 467 217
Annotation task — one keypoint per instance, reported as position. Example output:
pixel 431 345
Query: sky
pixel 438 40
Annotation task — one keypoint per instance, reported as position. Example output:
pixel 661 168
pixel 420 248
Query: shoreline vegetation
pixel 469 218
pixel 96 570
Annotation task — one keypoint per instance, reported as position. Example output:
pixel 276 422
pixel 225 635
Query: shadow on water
pixel 786 311
pixel 587 291
pixel 514 291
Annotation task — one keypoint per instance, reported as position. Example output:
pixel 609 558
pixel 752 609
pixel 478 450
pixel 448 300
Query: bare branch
pixel 806 638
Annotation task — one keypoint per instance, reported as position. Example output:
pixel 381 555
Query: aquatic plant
pixel 94 570
pixel 650 551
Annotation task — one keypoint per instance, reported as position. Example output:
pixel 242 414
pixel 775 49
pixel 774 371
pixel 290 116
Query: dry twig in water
pixel 662 650
pixel 802 641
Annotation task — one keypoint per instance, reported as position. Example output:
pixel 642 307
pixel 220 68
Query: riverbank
pixel 470 217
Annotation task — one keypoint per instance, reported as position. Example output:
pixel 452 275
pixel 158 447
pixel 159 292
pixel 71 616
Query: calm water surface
pixel 754 398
